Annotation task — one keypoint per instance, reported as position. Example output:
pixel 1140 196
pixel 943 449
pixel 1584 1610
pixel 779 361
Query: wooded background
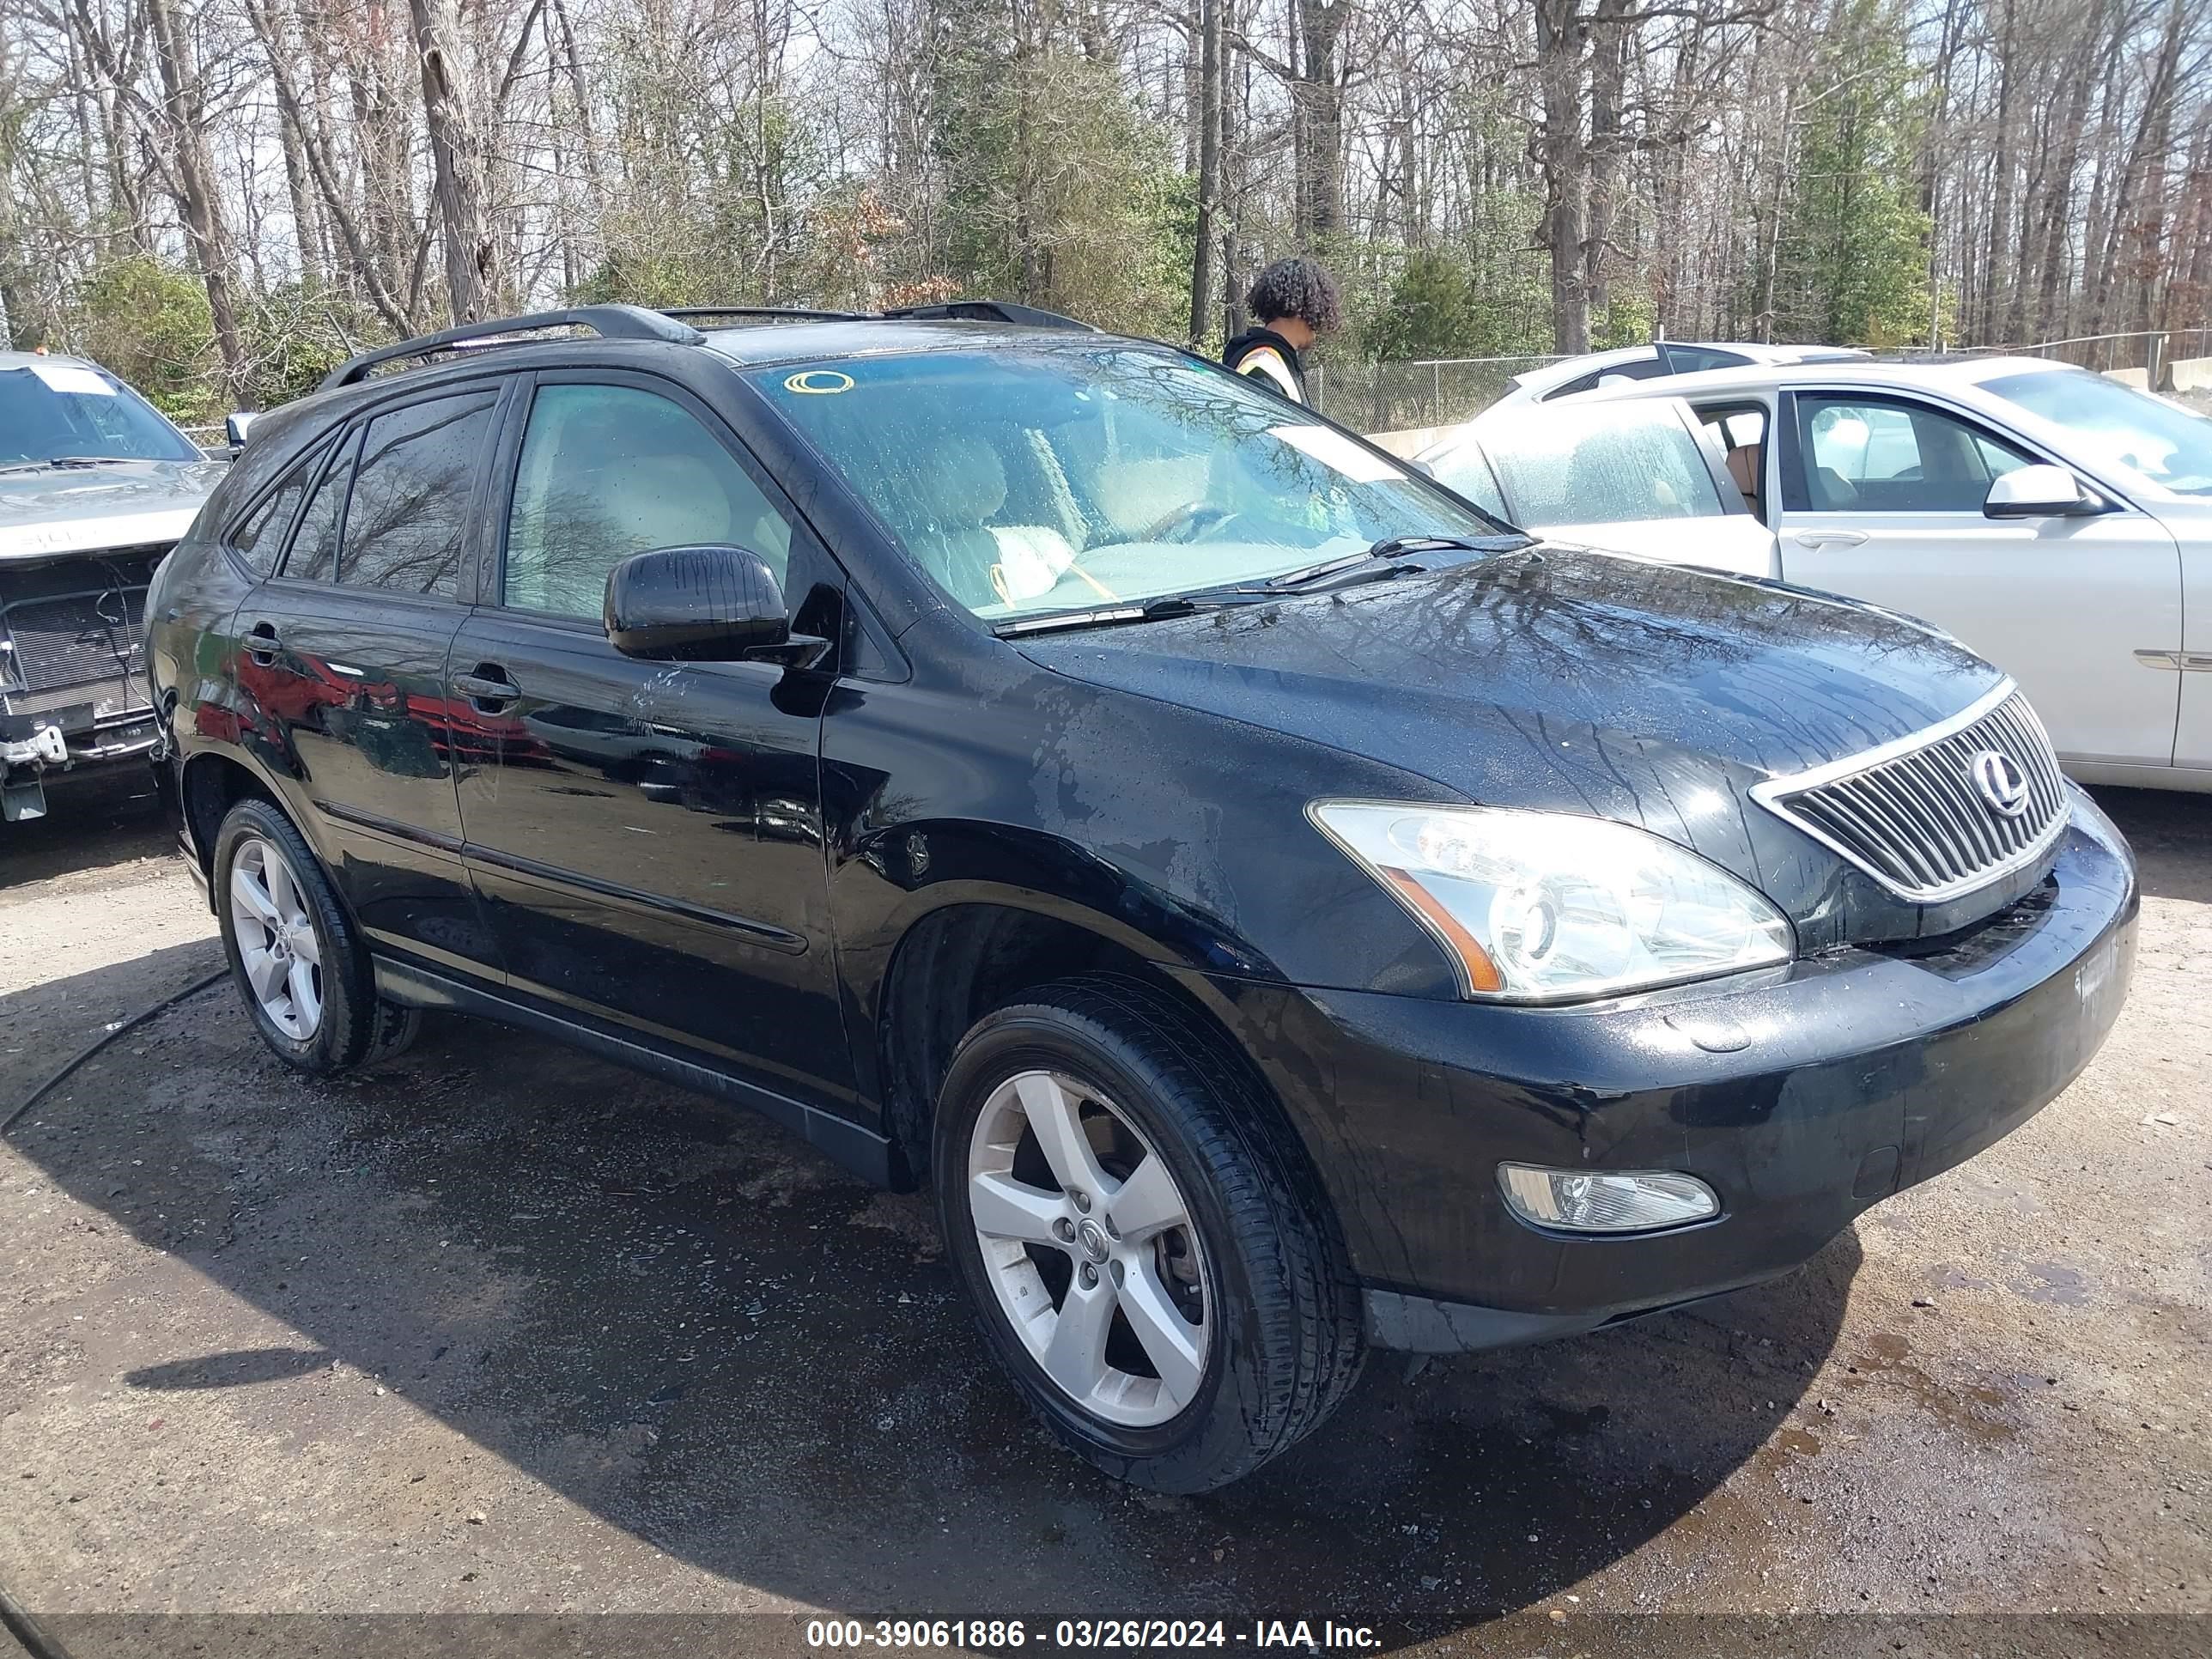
pixel 219 198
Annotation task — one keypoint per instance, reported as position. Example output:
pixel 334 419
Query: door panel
pixel 646 836
pixel 1881 500
pixel 354 684
pixel 2193 743
pixel 647 843
pixel 348 678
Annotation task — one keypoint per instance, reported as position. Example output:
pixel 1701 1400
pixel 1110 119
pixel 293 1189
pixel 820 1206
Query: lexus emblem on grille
pixel 2000 783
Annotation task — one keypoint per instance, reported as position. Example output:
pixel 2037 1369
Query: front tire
pixel 1149 1252
pixel 302 971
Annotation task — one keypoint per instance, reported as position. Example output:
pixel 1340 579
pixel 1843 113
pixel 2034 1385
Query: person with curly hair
pixel 1296 302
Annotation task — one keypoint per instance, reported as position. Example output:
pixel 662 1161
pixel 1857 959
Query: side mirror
pixel 2038 492
pixel 235 427
pixel 703 604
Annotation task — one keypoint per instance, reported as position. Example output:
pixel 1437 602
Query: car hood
pixel 1559 680
pixel 84 509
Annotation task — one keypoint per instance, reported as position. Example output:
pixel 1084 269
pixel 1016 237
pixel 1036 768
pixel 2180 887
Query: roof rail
pixel 608 322
pixel 992 311
pixel 795 313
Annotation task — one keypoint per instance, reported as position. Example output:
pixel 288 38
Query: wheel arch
pixel 983 950
pixel 212 781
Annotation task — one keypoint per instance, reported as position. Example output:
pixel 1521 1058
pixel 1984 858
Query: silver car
pixel 1647 481
pixel 2059 522
pixel 1630 365
pixel 95 485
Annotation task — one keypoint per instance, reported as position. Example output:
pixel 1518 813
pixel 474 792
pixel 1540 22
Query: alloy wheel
pixel 1090 1249
pixel 276 942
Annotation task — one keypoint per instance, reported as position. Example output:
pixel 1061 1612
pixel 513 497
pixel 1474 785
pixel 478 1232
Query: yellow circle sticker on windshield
pixel 818 382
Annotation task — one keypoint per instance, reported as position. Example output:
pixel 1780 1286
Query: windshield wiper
pixel 1373 560
pixel 92 460
pixel 1169 605
pixel 1390 547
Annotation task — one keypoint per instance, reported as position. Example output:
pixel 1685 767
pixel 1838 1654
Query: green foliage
pixel 1431 310
pixel 1627 320
pixel 1057 193
pixel 299 334
pixel 148 322
pixel 1853 260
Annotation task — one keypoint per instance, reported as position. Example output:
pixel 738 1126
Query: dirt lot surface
pixel 501 1329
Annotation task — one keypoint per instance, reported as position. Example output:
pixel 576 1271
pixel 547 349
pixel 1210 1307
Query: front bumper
pixel 1801 1094
pixel 37 748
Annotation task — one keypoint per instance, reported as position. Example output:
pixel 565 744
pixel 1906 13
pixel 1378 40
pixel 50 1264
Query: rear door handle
pixel 262 643
pixel 1829 537
pixel 488 688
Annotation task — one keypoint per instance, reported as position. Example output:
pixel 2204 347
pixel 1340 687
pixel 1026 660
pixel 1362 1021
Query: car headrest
pixel 959 481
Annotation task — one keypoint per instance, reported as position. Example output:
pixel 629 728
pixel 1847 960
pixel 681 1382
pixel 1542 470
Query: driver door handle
pixel 1829 537
pixel 262 643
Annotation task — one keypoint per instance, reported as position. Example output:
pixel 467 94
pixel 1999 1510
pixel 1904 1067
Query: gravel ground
pixel 499 1329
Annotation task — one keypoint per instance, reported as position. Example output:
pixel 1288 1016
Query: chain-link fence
pixel 1400 397
pixel 2148 353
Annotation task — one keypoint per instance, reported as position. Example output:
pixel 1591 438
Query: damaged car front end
pixel 95 487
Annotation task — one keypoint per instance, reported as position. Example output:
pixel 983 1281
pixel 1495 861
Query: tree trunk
pixel 1565 158
pixel 1210 70
pixel 1610 68
pixel 1317 92
pixel 456 159
pixel 196 183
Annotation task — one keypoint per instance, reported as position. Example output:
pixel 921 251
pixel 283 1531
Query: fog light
pixel 1606 1201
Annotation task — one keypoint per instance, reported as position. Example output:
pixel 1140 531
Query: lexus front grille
pixel 1941 812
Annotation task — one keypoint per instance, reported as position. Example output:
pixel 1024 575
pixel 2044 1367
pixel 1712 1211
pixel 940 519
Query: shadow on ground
pixel 2169 830
pixel 99 819
pixel 701 1332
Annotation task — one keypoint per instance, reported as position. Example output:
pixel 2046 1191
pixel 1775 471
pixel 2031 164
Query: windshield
pixel 2115 424
pixel 1610 464
pixel 50 409
pixel 1066 477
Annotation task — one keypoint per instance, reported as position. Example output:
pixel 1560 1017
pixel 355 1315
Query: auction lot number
pixel 896 1634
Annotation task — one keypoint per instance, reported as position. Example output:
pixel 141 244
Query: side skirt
pixel 866 1154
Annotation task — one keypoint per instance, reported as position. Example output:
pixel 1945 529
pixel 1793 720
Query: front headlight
pixel 1541 907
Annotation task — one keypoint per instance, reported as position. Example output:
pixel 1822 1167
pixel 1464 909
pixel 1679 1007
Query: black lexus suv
pixel 1278 910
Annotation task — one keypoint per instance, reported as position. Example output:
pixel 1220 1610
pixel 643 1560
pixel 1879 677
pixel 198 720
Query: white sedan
pixel 2057 522
pixel 1646 480
pixel 1626 365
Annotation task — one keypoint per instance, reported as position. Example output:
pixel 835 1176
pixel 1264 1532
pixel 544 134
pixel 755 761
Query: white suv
pixel 2057 522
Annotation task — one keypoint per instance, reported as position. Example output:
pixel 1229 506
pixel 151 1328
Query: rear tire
pixel 302 971
pixel 1192 1317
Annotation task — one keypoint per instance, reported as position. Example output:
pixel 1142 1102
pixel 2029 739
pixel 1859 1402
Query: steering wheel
pixel 1190 522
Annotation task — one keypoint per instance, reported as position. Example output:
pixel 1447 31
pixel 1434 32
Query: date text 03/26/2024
pixel 1003 1635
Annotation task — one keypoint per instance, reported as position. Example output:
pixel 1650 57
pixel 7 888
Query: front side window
pixel 2118 425
pixel 1865 456
pixel 609 471
pixel 1066 477
pixel 53 410
pixel 1609 464
pixel 406 526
